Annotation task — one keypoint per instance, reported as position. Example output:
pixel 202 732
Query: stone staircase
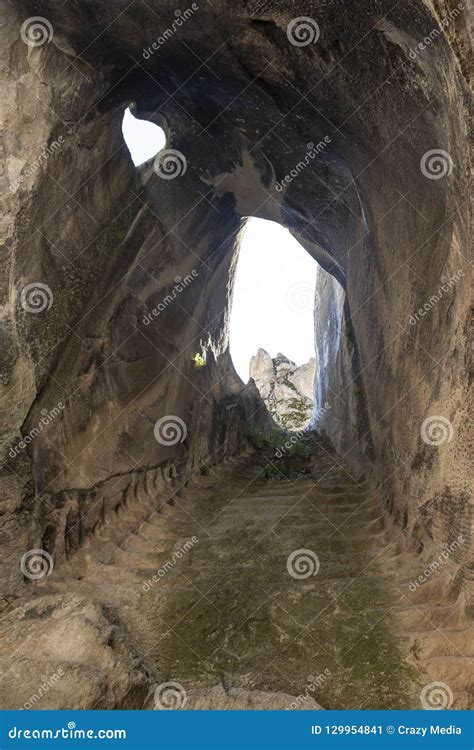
pixel 277 584
pixel 341 627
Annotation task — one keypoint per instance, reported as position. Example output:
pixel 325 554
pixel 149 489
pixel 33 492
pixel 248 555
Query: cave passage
pixel 272 320
pixel 292 532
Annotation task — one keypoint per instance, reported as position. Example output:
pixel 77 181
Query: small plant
pixel 204 470
pixel 199 361
pixel 271 472
pixel 254 437
pixel 276 439
pixel 300 450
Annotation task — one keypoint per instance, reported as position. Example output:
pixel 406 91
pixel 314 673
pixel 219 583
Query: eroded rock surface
pixel 244 592
pixel 334 140
pixel 236 699
pixel 62 651
pixel 287 389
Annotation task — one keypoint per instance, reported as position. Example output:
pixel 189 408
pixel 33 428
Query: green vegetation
pixel 276 439
pixel 204 470
pixel 301 449
pixel 199 361
pixel 254 437
pixel 272 472
pixel 299 410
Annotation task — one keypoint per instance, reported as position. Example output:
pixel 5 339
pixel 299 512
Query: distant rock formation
pixel 287 389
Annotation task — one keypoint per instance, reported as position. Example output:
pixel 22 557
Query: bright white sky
pixel 144 139
pixel 275 280
pixel 273 297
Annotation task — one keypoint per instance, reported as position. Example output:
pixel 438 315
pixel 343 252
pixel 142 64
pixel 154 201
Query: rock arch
pixel 243 109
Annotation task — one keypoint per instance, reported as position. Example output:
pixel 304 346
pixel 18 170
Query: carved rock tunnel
pixel 331 141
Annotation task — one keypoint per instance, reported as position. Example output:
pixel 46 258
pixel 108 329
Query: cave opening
pixel 142 481
pixel 144 139
pixel 272 320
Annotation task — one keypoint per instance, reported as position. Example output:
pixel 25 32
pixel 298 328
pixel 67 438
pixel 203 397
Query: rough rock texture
pixel 68 652
pixel 214 610
pixel 236 699
pixel 242 104
pixel 287 389
pixel 110 246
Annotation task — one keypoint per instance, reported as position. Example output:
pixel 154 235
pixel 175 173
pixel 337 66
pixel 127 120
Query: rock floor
pixel 278 593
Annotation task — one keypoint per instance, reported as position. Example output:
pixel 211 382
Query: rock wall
pixel 286 389
pixel 371 179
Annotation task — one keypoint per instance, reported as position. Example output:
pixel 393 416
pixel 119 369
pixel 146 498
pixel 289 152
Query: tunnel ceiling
pixel 238 84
